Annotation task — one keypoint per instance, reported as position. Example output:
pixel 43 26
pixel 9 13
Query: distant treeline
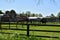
pixel 12 14
pixel 27 13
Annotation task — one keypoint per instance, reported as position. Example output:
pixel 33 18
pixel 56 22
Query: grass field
pixel 32 27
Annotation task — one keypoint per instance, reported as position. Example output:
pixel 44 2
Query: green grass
pixel 18 37
pixel 53 34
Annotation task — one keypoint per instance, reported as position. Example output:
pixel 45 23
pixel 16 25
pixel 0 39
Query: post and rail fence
pixel 28 25
pixel 28 28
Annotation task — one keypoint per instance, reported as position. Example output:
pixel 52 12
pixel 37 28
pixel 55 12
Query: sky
pixel 45 7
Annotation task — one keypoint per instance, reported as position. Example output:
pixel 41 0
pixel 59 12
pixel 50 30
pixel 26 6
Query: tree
pixel 58 15
pixel 1 12
pixel 23 14
pixel 20 14
pixel 7 12
pixel 33 15
pixel 36 15
pixel 52 15
pixel 12 13
pixel 52 18
pixel 28 13
pixel 40 15
pixel 5 17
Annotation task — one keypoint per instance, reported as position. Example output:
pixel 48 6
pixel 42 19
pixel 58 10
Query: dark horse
pixel 43 20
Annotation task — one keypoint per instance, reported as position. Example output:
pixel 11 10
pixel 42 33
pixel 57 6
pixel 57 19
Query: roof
pixel 34 17
pixel 1 14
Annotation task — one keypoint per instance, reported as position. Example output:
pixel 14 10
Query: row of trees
pixel 12 14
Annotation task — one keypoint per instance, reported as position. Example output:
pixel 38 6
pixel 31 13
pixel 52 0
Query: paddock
pixel 49 31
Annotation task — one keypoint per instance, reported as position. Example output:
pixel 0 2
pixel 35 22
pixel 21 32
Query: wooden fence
pixel 28 25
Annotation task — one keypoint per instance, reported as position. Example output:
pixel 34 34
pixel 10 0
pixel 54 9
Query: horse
pixel 43 20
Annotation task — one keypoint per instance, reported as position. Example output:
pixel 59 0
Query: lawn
pixel 32 27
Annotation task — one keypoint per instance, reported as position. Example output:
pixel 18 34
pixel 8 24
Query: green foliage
pixel 13 13
pixel 40 15
pixel 33 15
pixel 28 13
pixel 1 12
pixel 58 15
pixel 17 37
pixel 52 15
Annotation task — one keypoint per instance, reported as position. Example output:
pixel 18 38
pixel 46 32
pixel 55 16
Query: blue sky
pixel 45 7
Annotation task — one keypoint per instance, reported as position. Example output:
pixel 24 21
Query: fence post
pixel 27 30
pixel 16 24
pixel 9 23
pixel 0 24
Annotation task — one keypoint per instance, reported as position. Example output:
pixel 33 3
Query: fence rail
pixel 28 26
pixel 30 35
